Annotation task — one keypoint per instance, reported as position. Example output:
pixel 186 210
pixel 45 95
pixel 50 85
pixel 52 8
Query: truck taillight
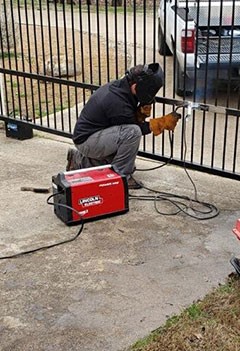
pixel 188 41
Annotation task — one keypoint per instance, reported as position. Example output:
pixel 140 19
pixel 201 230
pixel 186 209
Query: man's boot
pixel 71 164
pixel 133 184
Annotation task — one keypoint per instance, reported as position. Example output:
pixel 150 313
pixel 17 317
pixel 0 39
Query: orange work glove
pixel 168 122
pixel 143 112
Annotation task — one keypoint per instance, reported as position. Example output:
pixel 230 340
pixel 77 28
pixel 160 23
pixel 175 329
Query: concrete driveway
pixel 123 277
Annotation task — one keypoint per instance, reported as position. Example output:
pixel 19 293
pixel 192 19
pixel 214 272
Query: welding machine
pixel 89 194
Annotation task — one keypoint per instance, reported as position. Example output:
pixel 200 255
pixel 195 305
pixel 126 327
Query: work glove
pixel 142 113
pixel 168 122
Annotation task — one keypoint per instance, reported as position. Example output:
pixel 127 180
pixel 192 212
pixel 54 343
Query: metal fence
pixel 54 54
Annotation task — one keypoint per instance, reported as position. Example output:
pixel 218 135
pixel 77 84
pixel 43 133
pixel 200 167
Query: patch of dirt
pixel 94 61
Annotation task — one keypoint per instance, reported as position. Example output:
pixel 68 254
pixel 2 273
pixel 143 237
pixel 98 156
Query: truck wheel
pixel 183 84
pixel 163 48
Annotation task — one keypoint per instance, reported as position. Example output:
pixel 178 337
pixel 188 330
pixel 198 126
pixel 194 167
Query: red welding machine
pixel 89 194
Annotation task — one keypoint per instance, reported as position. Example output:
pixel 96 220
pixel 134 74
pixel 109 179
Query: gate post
pixel 3 110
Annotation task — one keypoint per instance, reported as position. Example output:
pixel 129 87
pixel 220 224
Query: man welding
pixel 107 130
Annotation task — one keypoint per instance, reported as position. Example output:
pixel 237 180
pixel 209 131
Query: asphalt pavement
pixel 124 275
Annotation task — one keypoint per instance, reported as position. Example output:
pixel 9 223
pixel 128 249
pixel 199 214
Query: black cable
pixel 184 158
pixel 210 211
pixel 165 163
pixel 153 168
pixel 51 245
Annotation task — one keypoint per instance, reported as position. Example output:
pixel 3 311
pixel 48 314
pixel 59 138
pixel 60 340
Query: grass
pixel 7 55
pixel 212 324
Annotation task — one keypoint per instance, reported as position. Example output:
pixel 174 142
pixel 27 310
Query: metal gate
pixel 54 54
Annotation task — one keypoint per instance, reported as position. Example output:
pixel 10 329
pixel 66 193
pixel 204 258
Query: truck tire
pixel 163 48
pixel 182 81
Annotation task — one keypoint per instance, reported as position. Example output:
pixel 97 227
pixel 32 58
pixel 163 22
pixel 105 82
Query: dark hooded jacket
pixel 112 104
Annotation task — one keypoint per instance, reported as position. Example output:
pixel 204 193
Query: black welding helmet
pixel 149 79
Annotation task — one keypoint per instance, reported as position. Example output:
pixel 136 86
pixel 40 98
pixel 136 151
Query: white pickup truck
pixel 203 36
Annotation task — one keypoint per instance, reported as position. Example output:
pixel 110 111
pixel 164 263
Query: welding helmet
pixel 148 79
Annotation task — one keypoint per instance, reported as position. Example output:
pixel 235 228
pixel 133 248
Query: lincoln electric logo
pixel 90 201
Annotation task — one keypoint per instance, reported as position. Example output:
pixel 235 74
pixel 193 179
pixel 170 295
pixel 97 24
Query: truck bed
pixel 218 14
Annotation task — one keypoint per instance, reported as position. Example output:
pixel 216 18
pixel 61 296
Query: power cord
pixel 182 204
pixel 55 244
pixel 153 168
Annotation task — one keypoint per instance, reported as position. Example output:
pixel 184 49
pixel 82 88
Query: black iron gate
pixel 54 54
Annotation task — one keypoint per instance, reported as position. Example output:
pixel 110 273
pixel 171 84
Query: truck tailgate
pixel 219 50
